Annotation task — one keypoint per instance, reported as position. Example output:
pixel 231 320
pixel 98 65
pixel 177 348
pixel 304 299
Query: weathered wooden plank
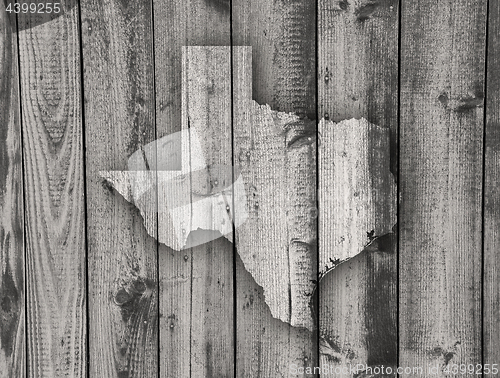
pixel 270 146
pixel 358 63
pixel 491 295
pixel 348 353
pixel 54 190
pixel 442 81
pixel 357 77
pixel 206 83
pixel 283 39
pixel 357 201
pixel 12 292
pixel 119 119
pixel 282 36
pixel 276 153
pixel 177 24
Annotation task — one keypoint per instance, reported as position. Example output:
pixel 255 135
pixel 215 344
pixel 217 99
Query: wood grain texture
pixel 177 24
pixel 345 344
pixel 276 153
pixel 12 291
pixel 207 102
pixel 283 37
pixel 442 95
pixel 491 294
pixel 54 192
pixel 155 311
pixel 358 77
pixel 357 203
pixel 119 120
pixel 358 63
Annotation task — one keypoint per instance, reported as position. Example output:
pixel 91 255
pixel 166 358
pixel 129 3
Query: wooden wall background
pixel 84 291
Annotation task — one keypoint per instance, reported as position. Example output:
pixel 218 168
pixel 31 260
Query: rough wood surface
pixel 154 311
pixel 442 95
pixel 276 153
pixel 177 24
pixel 357 202
pixel 491 295
pixel 54 191
pixel 357 189
pixel 206 108
pixel 358 63
pixel 282 36
pixel 283 39
pixel 12 300
pixel 345 344
pixel 119 119
pixel 277 243
pixel 358 77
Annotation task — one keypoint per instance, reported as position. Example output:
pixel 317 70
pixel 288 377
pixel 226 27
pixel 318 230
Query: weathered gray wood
pixel 206 108
pixel 358 77
pixel 350 343
pixel 12 291
pixel 282 36
pixel 177 24
pixel 357 201
pixel 491 295
pixel 119 119
pixel 442 81
pixel 182 23
pixel 276 153
pixel 283 40
pixel 54 192
pixel 358 63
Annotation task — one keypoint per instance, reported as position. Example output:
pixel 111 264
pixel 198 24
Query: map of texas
pixel 263 195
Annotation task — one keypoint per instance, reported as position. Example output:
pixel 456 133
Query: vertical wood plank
pixel 442 95
pixel 54 190
pixel 357 202
pixel 491 304
pixel 177 24
pixel 358 63
pixel 206 108
pixel 282 36
pixel 276 153
pixel 357 77
pixel 12 291
pixel 119 120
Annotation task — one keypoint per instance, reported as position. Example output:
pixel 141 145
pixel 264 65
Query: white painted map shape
pixel 186 199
